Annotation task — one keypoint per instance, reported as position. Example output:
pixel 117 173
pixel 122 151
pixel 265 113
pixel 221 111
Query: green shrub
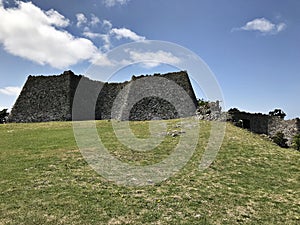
pixel 296 142
pixel 278 112
pixel 203 103
pixel 280 140
pixel 3 115
pixel 233 110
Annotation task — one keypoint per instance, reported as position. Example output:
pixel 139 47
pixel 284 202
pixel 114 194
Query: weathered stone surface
pixel 211 111
pixel 266 124
pixel 43 98
pixel 255 122
pixel 288 127
pixel 50 98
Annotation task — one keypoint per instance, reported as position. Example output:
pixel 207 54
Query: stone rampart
pixel 43 98
pixel 50 98
pixel 288 127
pixel 266 124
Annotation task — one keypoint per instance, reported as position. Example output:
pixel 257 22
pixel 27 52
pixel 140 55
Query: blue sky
pixel 252 47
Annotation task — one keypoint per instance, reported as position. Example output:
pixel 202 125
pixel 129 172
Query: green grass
pixel 45 180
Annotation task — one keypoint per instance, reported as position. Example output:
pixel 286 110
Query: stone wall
pixel 288 127
pixel 255 122
pixel 50 98
pixel 43 98
pixel 211 111
pixel 165 96
pixel 266 124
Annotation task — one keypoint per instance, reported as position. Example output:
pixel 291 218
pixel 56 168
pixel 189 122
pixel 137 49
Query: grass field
pixel 45 180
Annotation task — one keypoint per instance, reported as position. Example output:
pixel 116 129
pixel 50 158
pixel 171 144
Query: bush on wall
pixel 296 142
pixel 3 116
pixel 280 140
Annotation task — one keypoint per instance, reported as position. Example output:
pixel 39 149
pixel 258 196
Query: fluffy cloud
pixel 153 59
pixel 31 33
pixel 264 26
pixel 81 19
pixel 39 36
pixel 106 24
pixel 13 91
pixel 280 27
pixel 56 19
pixel 111 3
pixel 105 38
pixel 94 20
pixel 92 35
pixel 126 33
pixel 102 60
pixel 109 33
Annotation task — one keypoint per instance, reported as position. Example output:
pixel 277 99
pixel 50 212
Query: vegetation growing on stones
pixel 233 110
pixel 277 112
pixel 3 116
pixel 296 142
pixel 280 140
pixel 203 103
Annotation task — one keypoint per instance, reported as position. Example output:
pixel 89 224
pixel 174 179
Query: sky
pixel 251 47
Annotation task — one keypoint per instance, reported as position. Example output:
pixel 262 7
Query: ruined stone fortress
pixel 266 124
pixel 50 98
pixel 160 96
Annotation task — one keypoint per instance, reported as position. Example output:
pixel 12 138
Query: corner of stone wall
pixel 288 127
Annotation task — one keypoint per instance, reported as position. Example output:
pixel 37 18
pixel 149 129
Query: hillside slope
pixel 45 180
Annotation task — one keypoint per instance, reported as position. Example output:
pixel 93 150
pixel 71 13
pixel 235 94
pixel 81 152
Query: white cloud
pixel 31 33
pixel 94 20
pixel 81 19
pixel 109 33
pixel 153 59
pixel 281 27
pixel 264 26
pixel 12 91
pixel 56 19
pixel 39 36
pixel 261 25
pixel 105 38
pixel 111 3
pixel 107 24
pixel 92 35
pixel 126 33
pixel 107 43
pixel 101 60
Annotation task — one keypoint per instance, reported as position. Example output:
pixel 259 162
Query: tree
pixel 296 142
pixel 3 115
pixel 203 103
pixel 277 112
pixel 280 140
pixel 233 110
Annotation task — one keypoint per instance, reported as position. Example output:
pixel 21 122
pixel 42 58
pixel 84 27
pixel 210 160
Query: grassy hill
pixel 45 180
